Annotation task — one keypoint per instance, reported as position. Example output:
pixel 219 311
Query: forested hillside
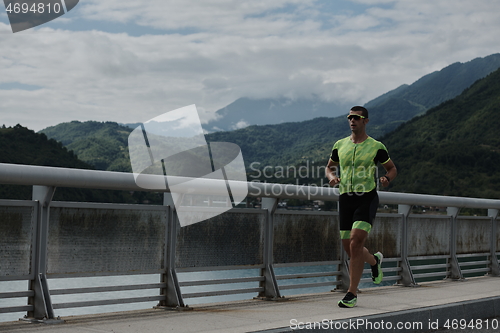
pixel 454 149
pixel 407 101
pixel 101 144
pixel 104 144
pixel 19 145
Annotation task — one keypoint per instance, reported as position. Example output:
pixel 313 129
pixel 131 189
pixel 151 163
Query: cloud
pixel 223 16
pixel 210 53
pixel 240 124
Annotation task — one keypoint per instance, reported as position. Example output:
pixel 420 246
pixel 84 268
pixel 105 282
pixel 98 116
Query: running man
pixel 358 155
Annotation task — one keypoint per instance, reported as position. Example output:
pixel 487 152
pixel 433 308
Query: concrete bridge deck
pixel 417 309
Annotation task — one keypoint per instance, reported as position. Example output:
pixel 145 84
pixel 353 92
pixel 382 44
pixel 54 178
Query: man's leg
pixel 358 254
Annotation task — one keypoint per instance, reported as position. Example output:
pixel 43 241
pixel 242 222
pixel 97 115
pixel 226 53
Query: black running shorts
pixel 357 211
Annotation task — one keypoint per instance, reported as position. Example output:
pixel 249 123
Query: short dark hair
pixel 362 109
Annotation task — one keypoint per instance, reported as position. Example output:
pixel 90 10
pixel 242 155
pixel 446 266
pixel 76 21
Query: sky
pixel 130 61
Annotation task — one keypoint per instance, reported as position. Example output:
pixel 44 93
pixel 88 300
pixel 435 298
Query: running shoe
pixel 349 301
pixel 377 274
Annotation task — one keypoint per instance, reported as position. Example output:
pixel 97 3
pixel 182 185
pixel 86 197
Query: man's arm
pixel 391 173
pixel 330 169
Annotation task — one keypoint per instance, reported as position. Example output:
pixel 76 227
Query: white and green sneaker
pixel 377 274
pixel 349 301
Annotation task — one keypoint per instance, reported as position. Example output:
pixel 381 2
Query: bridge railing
pixel 260 252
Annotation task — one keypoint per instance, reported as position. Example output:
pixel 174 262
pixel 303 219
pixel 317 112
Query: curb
pixel 428 319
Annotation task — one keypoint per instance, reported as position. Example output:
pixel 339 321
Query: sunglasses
pixel 355 117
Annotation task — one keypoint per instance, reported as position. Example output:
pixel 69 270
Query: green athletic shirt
pixel 358 162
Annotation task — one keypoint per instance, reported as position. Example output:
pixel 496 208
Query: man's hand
pixel 334 181
pixel 384 181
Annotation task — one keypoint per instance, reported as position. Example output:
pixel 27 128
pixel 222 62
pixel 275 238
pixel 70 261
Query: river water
pixel 10 286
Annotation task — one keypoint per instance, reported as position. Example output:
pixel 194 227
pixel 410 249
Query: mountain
pixel 285 144
pixel 274 152
pixel 454 149
pixel 101 144
pixel 292 143
pixel 19 145
pixel 405 102
pixel 288 145
pixel 389 110
pixel 245 112
pixel 439 86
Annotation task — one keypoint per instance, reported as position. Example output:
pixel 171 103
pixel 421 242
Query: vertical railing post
pixel 41 301
pixel 172 291
pixel 270 285
pixel 495 265
pixel 344 277
pixel 406 273
pixel 455 271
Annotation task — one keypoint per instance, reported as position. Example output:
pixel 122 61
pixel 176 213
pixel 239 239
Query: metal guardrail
pixel 42 240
